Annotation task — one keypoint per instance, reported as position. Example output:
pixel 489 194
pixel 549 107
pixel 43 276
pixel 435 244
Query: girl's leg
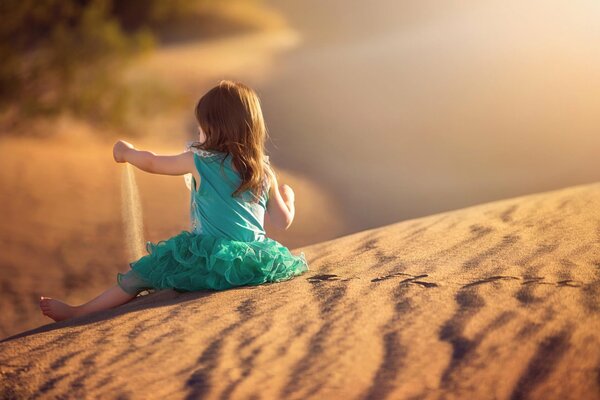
pixel 58 311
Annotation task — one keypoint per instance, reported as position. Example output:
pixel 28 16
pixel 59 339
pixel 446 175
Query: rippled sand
pixel 499 300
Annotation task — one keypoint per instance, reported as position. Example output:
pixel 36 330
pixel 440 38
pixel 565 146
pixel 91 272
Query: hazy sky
pixel 408 110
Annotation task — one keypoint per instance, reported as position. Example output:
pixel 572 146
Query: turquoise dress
pixel 226 246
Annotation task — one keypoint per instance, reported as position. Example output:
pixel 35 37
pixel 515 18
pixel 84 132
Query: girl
pixel 233 189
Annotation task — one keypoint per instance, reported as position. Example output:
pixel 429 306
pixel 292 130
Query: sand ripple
pixel 499 300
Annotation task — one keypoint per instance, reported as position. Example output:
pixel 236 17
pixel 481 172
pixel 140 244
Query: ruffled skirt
pixel 190 261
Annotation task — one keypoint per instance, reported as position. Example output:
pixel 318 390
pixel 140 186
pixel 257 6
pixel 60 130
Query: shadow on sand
pixel 160 298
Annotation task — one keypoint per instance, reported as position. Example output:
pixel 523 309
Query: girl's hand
pixel 287 193
pixel 120 149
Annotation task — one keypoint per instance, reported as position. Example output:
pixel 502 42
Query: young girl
pixel 233 189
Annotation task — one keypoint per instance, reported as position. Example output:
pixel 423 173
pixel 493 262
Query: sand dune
pixel 499 300
pixel 61 227
pixel 60 206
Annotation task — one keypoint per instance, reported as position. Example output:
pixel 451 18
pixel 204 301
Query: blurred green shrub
pixel 64 55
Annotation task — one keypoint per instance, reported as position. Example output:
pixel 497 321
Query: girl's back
pixel 213 210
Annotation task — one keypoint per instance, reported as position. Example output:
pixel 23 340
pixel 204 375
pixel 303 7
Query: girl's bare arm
pixel 280 207
pixel 179 164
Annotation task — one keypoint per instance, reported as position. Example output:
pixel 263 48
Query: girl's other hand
pixel 287 193
pixel 119 150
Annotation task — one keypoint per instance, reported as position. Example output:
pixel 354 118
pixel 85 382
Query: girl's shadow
pixel 159 298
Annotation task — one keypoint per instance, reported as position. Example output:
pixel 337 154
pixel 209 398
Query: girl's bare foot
pixel 55 309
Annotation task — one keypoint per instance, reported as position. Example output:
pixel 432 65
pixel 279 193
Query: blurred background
pixel 378 112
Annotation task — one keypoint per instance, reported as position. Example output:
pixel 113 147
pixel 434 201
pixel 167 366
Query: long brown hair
pixel 231 117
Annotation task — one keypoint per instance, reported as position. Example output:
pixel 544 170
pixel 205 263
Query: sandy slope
pixel 60 205
pixel 61 228
pixel 499 300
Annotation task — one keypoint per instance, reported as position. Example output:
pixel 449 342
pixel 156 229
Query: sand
pixel 62 231
pixel 499 300
pixel 493 301
pixel 61 228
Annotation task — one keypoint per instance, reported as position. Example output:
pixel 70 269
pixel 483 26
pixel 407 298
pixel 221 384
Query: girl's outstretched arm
pixel 179 164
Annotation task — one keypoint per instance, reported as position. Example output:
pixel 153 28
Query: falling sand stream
pixel 131 210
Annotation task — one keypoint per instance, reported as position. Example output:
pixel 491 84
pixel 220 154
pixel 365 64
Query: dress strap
pixel 206 153
pixel 202 153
